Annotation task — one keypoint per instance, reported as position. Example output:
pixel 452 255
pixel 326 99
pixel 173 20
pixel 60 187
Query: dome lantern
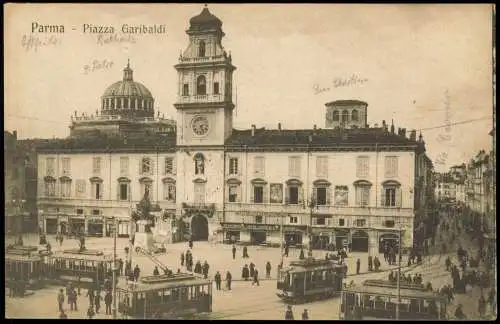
pixel 128 73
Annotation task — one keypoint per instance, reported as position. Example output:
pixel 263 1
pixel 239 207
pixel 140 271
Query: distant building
pixel 350 185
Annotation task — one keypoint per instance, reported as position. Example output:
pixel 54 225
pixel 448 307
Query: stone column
pixel 104 227
pixel 373 243
pixel 86 228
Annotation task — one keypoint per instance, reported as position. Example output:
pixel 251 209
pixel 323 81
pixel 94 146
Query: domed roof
pixel 205 18
pixel 127 87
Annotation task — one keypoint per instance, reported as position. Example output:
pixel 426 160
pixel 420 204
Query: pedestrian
pixel 90 312
pixel 156 272
pixel 229 278
pixel 377 264
pixel 358 266
pixel 448 264
pixel 301 255
pixel 218 280
pixel 97 301
pixel 370 263
pixel 182 259
pixel 90 295
pixel 61 239
pixel 63 315
pixel 459 314
pixel 234 252
pixel 256 277
pixel 120 266
pixel 268 270
pixel 481 307
pixel 305 315
pixel 245 252
pixel 491 297
pixel 205 269
pixel 60 299
pixel 289 314
pixel 137 272
pixel 198 268
pixel 190 243
pixel 251 268
pixel 108 299
pixel 286 250
pixel 245 272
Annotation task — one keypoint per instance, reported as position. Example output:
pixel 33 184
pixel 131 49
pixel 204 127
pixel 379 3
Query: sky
pixel 423 66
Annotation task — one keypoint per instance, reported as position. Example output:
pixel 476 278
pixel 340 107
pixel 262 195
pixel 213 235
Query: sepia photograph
pixel 250 161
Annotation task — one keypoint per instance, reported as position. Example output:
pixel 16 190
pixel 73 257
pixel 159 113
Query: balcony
pixel 218 58
pixel 330 210
pixel 97 203
pixel 209 98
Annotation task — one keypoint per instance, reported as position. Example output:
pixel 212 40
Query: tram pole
pixel 282 237
pixel 399 277
pixel 115 225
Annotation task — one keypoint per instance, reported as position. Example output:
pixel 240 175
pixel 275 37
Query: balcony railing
pixel 217 58
pixel 202 98
pixel 332 210
pixel 79 202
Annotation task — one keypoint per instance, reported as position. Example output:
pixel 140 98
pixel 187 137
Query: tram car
pixel 89 268
pixel 310 279
pixel 369 302
pixel 24 263
pixel 175 296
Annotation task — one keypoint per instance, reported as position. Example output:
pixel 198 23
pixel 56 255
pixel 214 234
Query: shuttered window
pixel 362 196
pixel 259 165
pixel 362 166
pixel 391 166
pixel 123 166
pixel 50 167
pixel 322 167
pixel 294 166
pixel 96 165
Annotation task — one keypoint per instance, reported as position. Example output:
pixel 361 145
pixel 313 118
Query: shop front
pixel 320 239
pixel 341 239
pixel 259 233
pixel 76 226
pixel 294 235
pixel 51 225
pixel 95 227
pixel 232 232
pixel 123 228
pixel 359 241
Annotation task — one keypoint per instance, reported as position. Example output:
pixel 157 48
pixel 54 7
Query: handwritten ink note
pixel 34 42
pixel 351 81
pixel 97 65
pixel 108 39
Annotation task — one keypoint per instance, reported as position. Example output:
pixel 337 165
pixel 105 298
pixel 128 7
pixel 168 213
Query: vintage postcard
pixel 250 161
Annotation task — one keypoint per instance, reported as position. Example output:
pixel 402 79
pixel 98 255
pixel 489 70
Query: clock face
pixel 200 125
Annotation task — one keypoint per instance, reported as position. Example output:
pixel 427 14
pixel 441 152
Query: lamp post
pixel 399 274
pixel 115 230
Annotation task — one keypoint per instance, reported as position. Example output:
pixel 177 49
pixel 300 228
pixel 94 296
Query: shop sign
pixel 320 231
pixel 95 220
pixel 262 227
pixel 232 225
pixel 299 228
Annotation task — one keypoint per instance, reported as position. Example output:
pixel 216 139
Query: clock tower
pixel 204 97
pixel 204 121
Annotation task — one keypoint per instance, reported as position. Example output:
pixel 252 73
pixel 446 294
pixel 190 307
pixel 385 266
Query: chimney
pixel 403 132
pixel 15 134
pixel 392 126
pixel 253 130
pixel 279 126
pixel 399 131
pixel 420 138
pixel 413 135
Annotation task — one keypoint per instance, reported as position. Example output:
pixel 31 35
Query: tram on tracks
pixel 24 264
pixel 369 302
pixel 174 296
pixel 88 268
pixel 310 279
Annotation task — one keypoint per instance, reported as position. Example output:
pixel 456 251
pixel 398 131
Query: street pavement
pixel 244 301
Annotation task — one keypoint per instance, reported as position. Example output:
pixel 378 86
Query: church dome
pixel 127 97
pixel 205 19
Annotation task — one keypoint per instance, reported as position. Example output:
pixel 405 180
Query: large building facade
pixel 348 184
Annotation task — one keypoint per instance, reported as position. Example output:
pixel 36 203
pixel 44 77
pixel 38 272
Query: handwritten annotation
pixel 97 65
pixel 340 82
pixel 34 42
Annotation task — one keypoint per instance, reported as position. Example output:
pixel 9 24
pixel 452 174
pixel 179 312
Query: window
pixel 362 196
pixel 341 195
pixel 391 166
pixel 169 192
pixel 119 103
pixel 322 167
pixel 341 222
pixel 125 103
pixel 362 166
pixel 201 49
pixel 50 188
pixel 79 211
pixel 320 220
pixel 389 223
pixel 335 115
pixel 258 219
pixel 97 190
pixel 123 165
pixel 390 197
pixel 147 189
pixel 294 166
pixel 80 188
pixel 146 166
pixel 259 165
pixel 66 188
pixel 345 116
pixel 185 89
pixel 124 188
pixel 96 212
pixel 233 166
pixel 258 194
pixel 354 115
pixel 50 170
pixel 293 195
pixel 360 222
pixel 233 193
pixel 321 196
pixel 66 166
pixel 216 87
pixel 96 165
pixel 132 103
pixel 293 219
pixel 201 86
pixel 199 164
pixel 199 192
pixel 169 165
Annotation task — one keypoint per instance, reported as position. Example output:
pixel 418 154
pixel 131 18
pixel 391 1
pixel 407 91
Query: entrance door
pixel 199 228
pixel 359 241
pixel 258 237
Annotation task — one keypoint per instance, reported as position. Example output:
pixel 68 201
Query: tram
pixel 369 302
pixel 89 268
pixel 174 296
pixel 24 263
pixel 310 279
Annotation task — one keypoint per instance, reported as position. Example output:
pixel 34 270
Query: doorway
pixel 199 228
